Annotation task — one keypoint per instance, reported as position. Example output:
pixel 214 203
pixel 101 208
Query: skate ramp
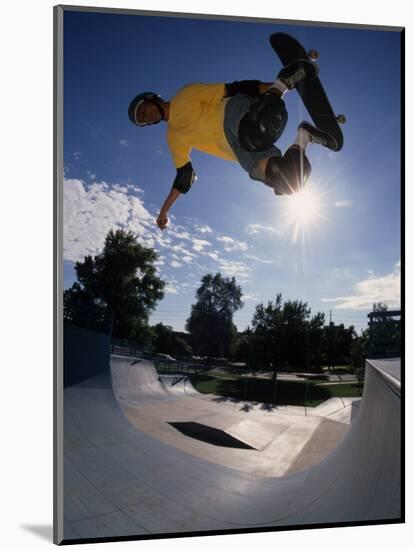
pixel 156 403
pixel 120 481
pixel 339 409
pixel 136 381
pixel 178 385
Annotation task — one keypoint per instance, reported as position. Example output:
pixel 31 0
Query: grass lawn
pixel 338 369
pixel 345 390
pixel 262 390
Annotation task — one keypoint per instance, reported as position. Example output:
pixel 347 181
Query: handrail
pixel 388 377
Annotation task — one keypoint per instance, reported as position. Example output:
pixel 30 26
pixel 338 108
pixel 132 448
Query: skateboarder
pixel 238 121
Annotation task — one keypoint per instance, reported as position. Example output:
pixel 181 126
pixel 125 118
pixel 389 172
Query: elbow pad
pixel 247 87
pixel 184 178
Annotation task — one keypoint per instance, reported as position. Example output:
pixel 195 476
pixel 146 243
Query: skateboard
pixel 311 91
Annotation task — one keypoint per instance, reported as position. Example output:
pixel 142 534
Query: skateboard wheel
pixel 313 55
pixel 341 119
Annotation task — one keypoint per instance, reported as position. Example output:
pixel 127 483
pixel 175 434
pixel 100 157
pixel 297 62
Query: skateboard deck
pixel 311 91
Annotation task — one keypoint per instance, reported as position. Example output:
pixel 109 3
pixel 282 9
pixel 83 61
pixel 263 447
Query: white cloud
pixel 170 289
pixel 238 270
pixel 385 289
pixel 91 210
pixel 178 234
pixel 181 249
pixel 255 258
pixel 200 244
pixel 251 297
pixel 203 228
pixel 91 175
pixel 260 229
pixel 231 244
pixel 213 255
pixel 343 204
pixel 160 261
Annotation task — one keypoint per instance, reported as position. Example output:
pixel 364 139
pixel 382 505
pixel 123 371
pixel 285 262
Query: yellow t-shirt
pixel 196 122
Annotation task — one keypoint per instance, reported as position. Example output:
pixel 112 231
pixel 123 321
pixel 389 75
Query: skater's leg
pixel 267 116
pixel 263 123
pixel 292 74
pixel 307 133
pixel 287 174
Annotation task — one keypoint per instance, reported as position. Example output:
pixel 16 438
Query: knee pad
pixel 263 124
pixel 288 175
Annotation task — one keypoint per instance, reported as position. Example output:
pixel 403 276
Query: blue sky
pixel 118 175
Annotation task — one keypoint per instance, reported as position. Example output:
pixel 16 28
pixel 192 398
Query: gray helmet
pixel 138 100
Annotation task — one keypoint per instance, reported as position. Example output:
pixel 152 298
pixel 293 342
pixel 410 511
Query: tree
pixel 167 341
pixel 315 342
pixel 267 337
pixel 296 315
pixel 123 278
pixel 210 323
pixel 358 351
pixel 283 335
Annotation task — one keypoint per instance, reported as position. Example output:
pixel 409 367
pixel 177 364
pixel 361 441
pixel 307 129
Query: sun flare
pixel 303 210
pixel 303 207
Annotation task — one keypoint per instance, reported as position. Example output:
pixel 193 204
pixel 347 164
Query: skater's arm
pixel 184 179
pixel 162 219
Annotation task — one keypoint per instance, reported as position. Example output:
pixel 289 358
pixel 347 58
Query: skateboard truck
pixel 313 55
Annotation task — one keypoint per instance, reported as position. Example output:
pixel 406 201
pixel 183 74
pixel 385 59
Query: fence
pixel 86 338
pixel 384 334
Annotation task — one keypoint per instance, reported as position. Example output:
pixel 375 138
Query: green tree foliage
pixel 358 351
pixel 268 334
pixel 167 341
pixel 283 335
pixel 210 324
pixel 122 277
pixel 315 341
pixel 337 342
pixel 243 349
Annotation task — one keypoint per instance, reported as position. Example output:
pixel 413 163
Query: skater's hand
pixel 162 219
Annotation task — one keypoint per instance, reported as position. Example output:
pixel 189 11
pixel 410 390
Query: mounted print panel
pixel 228 236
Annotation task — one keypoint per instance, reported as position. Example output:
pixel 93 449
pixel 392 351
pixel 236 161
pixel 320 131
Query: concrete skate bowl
pixel 120 482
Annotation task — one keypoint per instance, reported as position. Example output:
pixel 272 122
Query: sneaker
pixel 318 136
pixel 297 71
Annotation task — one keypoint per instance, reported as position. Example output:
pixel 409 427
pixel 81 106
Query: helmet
pixel 138 100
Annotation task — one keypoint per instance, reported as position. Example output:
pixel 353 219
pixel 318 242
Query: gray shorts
pixel 235 109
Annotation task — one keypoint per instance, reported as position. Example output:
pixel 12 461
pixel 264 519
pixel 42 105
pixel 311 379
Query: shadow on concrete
pixel 209 435
pixel 355 410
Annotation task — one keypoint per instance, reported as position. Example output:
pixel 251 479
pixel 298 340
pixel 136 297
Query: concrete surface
pixel 121 481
